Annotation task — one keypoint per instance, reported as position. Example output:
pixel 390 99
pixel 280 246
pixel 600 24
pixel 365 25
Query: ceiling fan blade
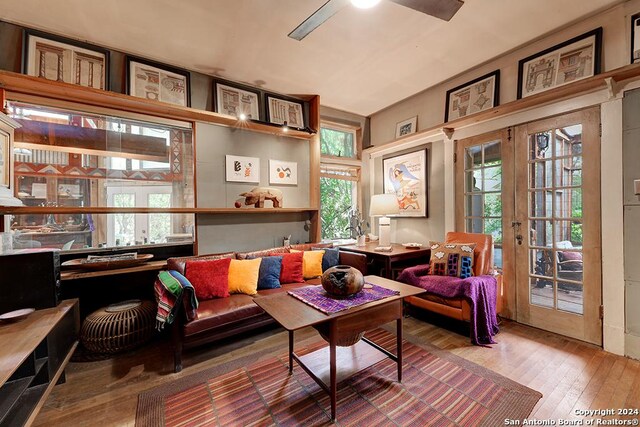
pixel 325 12
pixel 443 9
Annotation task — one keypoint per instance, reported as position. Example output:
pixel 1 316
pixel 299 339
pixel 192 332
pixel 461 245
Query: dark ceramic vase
pixel 342 281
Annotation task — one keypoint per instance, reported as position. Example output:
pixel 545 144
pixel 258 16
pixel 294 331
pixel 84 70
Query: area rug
pixel 437 389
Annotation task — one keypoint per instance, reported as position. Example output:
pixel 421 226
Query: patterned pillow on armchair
pixel 451 259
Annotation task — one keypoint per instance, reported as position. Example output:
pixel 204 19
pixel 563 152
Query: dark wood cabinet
pixel 33 355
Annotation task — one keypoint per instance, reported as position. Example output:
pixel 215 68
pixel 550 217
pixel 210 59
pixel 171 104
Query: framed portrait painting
pixel 280 110
pixel 159 82
pixel 568 62
pixel 242 169
pixel 406 177
pixel 236 101
pixel 472 97
pixel 65 60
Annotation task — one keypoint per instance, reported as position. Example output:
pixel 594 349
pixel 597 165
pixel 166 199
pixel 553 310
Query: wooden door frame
pixel 508 249
pixel 592 246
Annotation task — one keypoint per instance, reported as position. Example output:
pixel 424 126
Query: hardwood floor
pixel 572 375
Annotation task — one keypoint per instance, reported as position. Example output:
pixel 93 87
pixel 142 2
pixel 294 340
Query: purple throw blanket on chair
pixel 479 291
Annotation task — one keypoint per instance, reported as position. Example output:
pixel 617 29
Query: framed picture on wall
pixel 407 127
pixel 65 60
pixel 567 62
pixel 472 97
pixel 159 82
pixel 242 169
pixel 281 172
pixel 235 100
pixel 635 38
pixel 281 111
pixel 405 176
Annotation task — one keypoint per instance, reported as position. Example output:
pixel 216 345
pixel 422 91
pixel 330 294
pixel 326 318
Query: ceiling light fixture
pixel 364 4
pixel 242 116
pixel 285 127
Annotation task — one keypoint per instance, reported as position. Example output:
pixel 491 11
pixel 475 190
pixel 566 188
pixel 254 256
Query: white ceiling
pixel 359 61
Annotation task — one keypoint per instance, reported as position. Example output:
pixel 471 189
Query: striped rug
pixel 438 389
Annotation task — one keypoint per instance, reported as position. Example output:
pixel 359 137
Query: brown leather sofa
pixel 224 317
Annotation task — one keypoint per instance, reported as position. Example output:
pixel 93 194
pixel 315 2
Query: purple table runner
pixel 317 297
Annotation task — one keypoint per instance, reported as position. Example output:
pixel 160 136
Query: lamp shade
pixel 384 204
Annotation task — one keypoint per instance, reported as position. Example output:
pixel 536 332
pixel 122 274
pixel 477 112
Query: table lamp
pixel 383 205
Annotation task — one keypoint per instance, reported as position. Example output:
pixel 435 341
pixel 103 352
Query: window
pixel 339 179
pixel 338 141
pixel 483 193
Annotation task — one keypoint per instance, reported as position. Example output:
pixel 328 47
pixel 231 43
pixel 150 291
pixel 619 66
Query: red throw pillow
pixel 210 278
pixel 291 268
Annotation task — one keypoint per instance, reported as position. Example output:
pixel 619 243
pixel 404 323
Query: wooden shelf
pixel 61 210
pixel 84 274
pixel 29 85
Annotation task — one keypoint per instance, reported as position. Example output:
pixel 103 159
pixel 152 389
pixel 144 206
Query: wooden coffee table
pixel 321 365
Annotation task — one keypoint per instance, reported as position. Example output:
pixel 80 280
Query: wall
pixel 218 233
pixel 631 171
pixel 429 106
pixel 420 230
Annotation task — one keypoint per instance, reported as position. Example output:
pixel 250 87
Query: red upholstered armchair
pixel 458 308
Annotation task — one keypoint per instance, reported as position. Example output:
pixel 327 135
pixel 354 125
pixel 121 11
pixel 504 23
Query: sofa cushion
pixel 218 312
pixel 243 276
pixel 291 268
pixel 331 257
pixel 178 264
pixel 209 277
pixel 311 263
pixel 263 253
pixel 269 276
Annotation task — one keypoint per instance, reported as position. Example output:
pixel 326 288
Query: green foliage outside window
pixel 336 143
pixel 336 196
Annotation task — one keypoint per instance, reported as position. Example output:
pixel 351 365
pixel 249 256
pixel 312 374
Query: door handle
pixel 519 239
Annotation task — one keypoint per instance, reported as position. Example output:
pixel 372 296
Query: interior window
pixel 71 159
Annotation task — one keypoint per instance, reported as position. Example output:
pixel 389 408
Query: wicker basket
pixel 118 327
pixel 343 340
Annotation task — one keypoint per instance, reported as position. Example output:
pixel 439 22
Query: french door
pixel 125 229
pixel 557 225
pixel 536 189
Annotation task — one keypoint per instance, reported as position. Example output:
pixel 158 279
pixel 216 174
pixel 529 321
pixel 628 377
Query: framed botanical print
pixel 235 100
pixel 280 110
pixel 567 62
pixel 65 60
pixel 159 82
pixel 472 97
pixel 405 176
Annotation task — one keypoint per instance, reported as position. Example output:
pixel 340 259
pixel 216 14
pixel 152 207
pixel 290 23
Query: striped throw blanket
pixel 172 288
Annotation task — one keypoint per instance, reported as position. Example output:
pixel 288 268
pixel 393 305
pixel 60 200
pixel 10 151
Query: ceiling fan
pixel 443 9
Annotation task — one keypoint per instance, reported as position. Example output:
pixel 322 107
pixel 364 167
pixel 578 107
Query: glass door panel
pixel 554 293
